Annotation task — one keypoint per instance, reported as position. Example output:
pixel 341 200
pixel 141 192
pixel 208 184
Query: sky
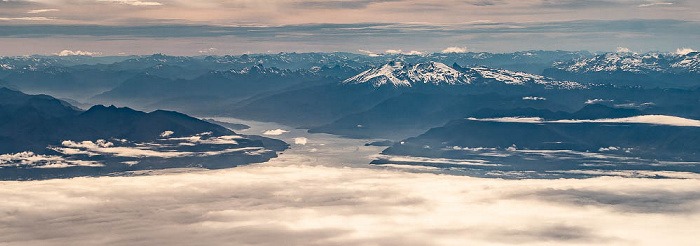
pixel 218 27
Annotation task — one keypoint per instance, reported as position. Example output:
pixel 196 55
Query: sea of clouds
pixel 322 205
pixel 323 192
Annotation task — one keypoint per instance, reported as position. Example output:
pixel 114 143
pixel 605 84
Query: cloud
pixel 655 4
pixel 650 201
pixel 414 53
pixel 38 18
pixel 15 3
pixel 340 4
pixel 495 37
pixel 208 51
pixel 275 132
pixel 455 49
pixel 166 134
pixel 484 2
pixel 685 51
pixel 577 4
pixel 623 50
pixel 174 147
pixel 642 119
pixel 103 147
pixel 410 53
pixel 597 100
pixel 37 11
pixel 31 160
pixel 343 31
pixel 535 98
pixel 205 138
pixel 301 141
pixel 77 53
pixel 132 2
pixel 369 53
pixel 283 203
pixel 426 160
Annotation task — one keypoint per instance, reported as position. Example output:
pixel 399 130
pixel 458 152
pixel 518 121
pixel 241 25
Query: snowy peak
pixel 400 74
pixel 635 63
pixel 508 77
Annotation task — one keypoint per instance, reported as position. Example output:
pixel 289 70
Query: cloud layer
pixel 239 26
pixel 304 205
pixel 642 119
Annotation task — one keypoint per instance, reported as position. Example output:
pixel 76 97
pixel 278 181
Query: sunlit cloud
pixel 301 140
pixel 623 50
pixel 369 53
pixel 38 18
pixel 655 4
pixel 132 2
pixel 37 11
pixel 208 51
pixel 455 49
pixel 642 119
pixel 397 52
pixel 275 132
pixel 685 51
pixel 316 205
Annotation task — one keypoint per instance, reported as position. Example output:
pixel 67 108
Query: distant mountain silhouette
pixel 113 136
pixel 598 133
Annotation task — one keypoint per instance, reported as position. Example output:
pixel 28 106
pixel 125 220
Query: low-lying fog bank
pixel 321 205
pixel 322 191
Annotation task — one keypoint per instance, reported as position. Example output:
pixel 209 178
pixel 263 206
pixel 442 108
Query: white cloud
pixel 102 147
pixel 275 132
pixel 77 53
pixel 318 205
pixel 466 162
pixel 623 50
pixel 397 52
pixel 38 18
pixel 611 148
pixel 455 49
pixel 597 100
pixel 642 119
pixel 301 141
pixel 37 11
pixel 535 98
pixel 655 4
pixel 685 51
pixel 31 160
pixel 369 53
pixel 203 139
pixel 208 51
pixel 166 134
pixel 163 149
pixel 132 2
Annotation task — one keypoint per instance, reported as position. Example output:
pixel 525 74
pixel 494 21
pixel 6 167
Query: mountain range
pixel 528 99
pixel 43 137
pixel 593 138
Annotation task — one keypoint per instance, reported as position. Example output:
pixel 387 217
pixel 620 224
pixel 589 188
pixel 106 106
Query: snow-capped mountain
pixel 487 75
pixel 635 63
pixel 400 74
